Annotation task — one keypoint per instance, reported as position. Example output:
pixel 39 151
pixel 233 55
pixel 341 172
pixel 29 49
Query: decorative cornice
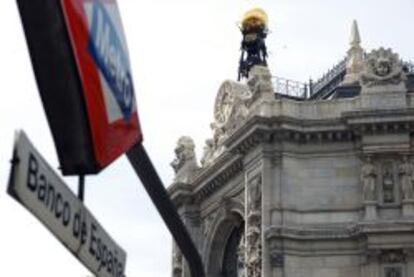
pixel 180 193
pixel 216 176
pixel 258 129
pixel 267 130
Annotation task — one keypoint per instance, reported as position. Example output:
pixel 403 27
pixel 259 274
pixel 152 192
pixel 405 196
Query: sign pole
pixel 145 170
pixel 81 187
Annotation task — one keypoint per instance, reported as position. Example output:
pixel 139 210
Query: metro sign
pixel 82 67
pixel 100 49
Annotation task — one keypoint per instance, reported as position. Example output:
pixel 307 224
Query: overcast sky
pixel 181 51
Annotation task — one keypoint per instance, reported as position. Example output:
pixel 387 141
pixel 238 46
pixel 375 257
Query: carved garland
pixel 253 243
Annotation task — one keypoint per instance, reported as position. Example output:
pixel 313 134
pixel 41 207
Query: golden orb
pixel 253 19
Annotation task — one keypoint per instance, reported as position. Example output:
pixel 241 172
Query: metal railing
pixel 323 86
pixel 290 88
pixel 409 67
pixel 326 81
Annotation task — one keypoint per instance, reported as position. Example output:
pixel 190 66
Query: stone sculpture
pixel 253 230
pixel 406 171
pixel 254 253
pixel 382 67
pixel 185 163
pixel 368 178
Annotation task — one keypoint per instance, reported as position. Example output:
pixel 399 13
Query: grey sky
pixel 180 52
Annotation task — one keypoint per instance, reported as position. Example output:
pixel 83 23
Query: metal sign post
pixel 142 165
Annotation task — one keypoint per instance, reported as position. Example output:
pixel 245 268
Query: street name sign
pixel 81 63
pixel 35 185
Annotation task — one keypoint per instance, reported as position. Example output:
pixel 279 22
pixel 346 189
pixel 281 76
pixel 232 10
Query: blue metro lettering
pixel 106 49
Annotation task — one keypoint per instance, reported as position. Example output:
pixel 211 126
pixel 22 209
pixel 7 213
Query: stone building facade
pixel 320 185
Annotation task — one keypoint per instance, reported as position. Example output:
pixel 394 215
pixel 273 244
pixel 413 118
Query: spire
pixel 355 38
pixel 355 57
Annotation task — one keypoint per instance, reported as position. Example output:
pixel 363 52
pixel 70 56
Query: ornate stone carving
pixel 406 171
pixel 230 109
pixel 254 252
pixel 177 261
pixel 368 179
pixel 254 228
pixel 185 162
pixel 382 67
pixel 241 258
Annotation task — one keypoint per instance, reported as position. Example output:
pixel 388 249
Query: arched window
pixel 232 262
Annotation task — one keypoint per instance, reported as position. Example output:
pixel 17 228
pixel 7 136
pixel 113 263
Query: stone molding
pixel 259 130
pixel 206 185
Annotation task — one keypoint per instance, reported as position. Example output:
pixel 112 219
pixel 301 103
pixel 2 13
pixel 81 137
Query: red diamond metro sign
pixel 80 58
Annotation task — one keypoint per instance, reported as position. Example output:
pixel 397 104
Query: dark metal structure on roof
pixel 329 85
pixel 253 47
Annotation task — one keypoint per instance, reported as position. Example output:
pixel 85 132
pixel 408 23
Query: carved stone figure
pixel 406 171
pixel 184 151
pixel 368 178
pixel 185 162
pixel 382 67
pixel 388 184
pixel 208 153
